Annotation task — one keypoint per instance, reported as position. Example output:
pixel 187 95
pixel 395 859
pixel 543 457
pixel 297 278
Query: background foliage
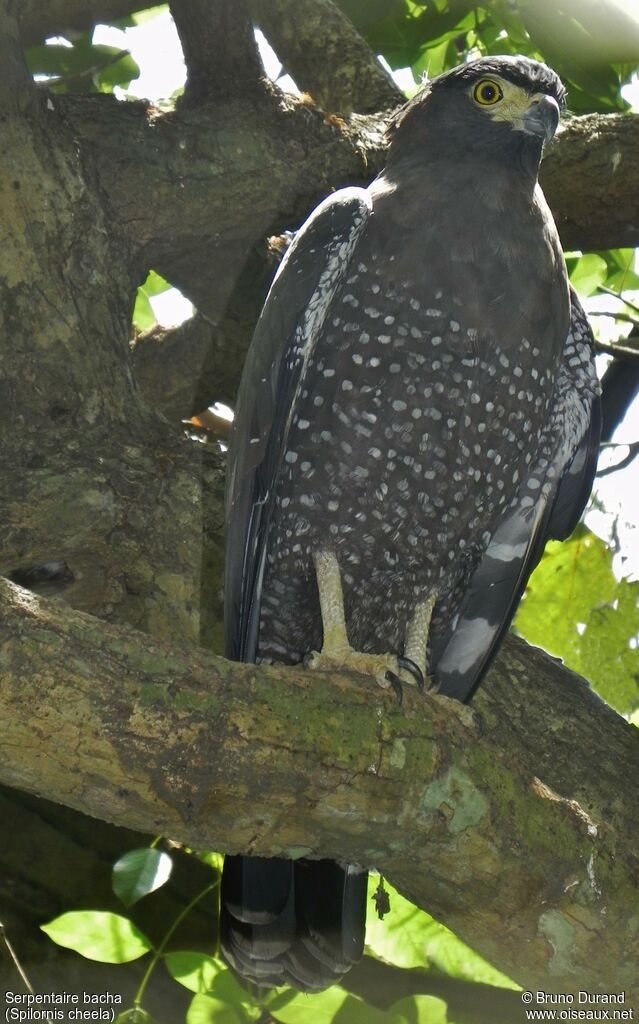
pixel 576 606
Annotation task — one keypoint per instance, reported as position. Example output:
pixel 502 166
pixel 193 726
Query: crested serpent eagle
pixel 418 414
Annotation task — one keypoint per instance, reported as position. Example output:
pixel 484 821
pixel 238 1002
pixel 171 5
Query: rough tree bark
pixel 103 501
pixel 496 818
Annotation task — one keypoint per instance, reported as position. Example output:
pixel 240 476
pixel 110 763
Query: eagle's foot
pixel 388 670
pixel 407 666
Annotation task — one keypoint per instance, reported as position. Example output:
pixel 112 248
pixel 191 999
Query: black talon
pixel 396 683
pixel 414 670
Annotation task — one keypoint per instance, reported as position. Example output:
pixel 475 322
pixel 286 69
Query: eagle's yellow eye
pixel 487 92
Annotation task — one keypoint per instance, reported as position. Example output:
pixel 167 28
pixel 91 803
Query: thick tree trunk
pixel 509 821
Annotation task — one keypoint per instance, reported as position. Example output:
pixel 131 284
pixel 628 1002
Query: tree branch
pixel 619 387
pixel 181 370
pixel 222 176
pixel 98 496
pixel 16 84
pixel 195 189
pixel 629 458
pixel 128 529
pixel 591 181
pixel 616 349
pixel 503 820
pixel 591 173
pixel 168 365
pixel 317 43
pixel 225 174
pixel 219 48
pixel 184 369
pixel 320 47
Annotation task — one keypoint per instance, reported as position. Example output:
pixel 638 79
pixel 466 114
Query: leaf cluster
pixel 594 47
pixel 577 609
pixel 406 937
pixel 79 66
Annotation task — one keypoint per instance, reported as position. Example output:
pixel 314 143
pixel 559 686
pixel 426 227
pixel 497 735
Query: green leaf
pixel 208 1010
pixel 584 42
pixel 82 67
pixel 442 26
pixel 139 17
pixel 585 100
pixel 607 658
pixel 154 284
pixel 196 971
pixel 120 72
pixel 491 40
pixel 420 1010
pixel 621 273
pixel 587 272
pixel 575 609
pixel 507 18
pixel 134 1015
pixel 434 60
pixel 148 14
pixel 140 872
pixel 356 1011
pixel 275 999
pixel 333 1006
pixel 58 59
pixel 206 975
pixel 143 315
pixel 319 1007
pixel 573 577
pixel 601 33
pixel 214 860
pixel 368 14
pixel 408 937
pixel 99 935
pixel 390 27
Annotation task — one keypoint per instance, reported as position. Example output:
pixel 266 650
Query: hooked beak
pixel 542 117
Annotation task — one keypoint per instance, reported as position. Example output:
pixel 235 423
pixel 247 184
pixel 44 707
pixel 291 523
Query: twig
pixel 633 451
pixel 18 966
pixel 619 351
pixel 615 316
pixel 615 444
pixel 617 295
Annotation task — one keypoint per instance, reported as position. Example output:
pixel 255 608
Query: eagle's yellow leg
pixel 337 653
pixel 416 646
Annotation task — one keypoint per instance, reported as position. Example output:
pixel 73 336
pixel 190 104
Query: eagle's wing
pixel 300 921
pixel 547 506
pixel 293 315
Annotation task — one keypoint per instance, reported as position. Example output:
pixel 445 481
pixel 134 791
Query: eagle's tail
pixel 292 922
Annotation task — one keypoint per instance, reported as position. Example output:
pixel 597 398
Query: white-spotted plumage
pixel 419 411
